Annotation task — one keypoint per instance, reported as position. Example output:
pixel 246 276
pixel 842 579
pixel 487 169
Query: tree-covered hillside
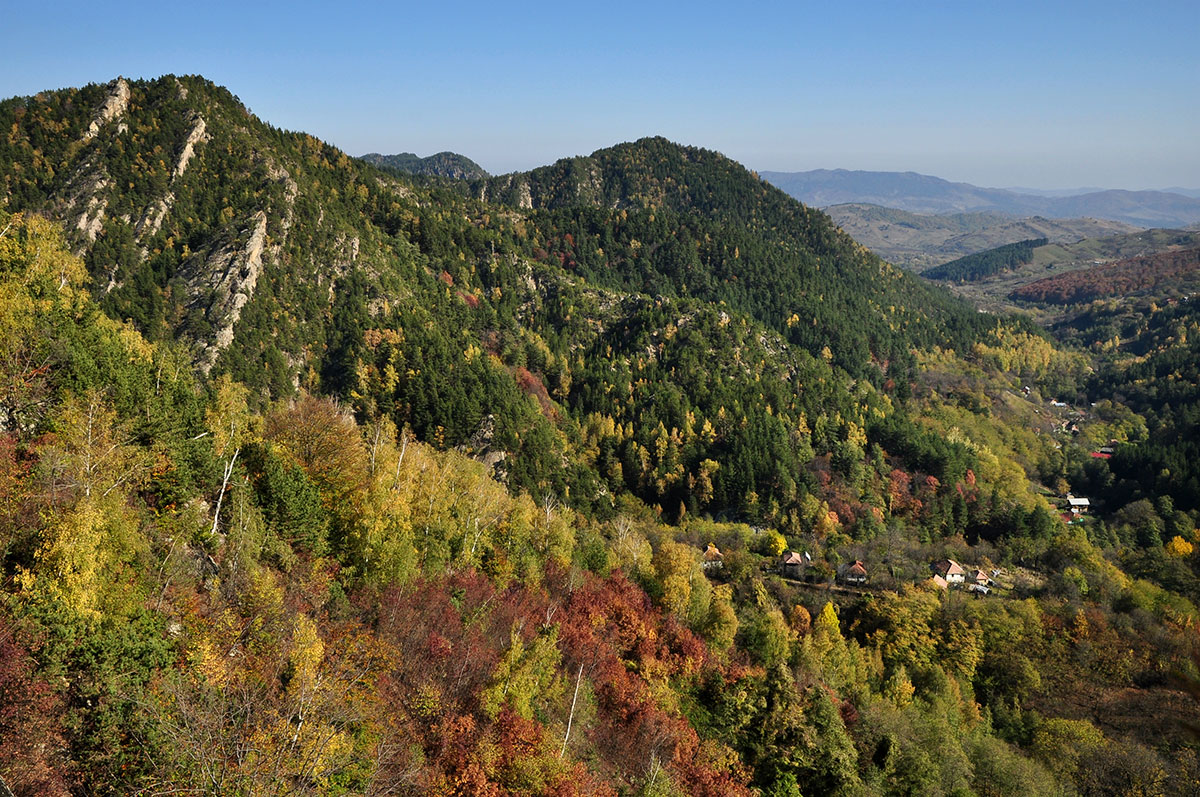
pixel 1174 271
pixel 982 265
pixel 288 265
pixel 655 217
pixel 204 597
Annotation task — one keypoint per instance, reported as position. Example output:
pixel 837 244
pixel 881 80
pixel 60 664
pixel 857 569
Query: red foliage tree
pixel 31 739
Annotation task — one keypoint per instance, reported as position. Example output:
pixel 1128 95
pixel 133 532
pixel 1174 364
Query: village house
pixel 939 582
pixel 712 558
pixel 791 565
pixel 1078 506
pixel 950 570
pixel 855 574
pixel 982 578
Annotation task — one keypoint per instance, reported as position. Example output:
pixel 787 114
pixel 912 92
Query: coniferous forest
pixel 629 475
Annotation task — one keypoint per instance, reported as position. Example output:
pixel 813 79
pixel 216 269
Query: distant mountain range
pixel 916 241
pixel 919 193
pixel 443 164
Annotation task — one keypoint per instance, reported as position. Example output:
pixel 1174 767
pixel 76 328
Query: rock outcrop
pixel 195 136
pixel 114 106
pixel 225 281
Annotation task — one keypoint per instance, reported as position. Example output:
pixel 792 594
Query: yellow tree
pixel 228 422
pixel 37 275
pixel 86 469
pixel 674 563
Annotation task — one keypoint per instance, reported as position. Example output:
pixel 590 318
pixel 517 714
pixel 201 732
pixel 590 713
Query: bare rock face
pixel 90 181
pixel 290 191
pixel 480 445
pixel 195 136
pixel 91 221
pixel 157 212
pixel 151 223
pixel 224 281
pixel 114 106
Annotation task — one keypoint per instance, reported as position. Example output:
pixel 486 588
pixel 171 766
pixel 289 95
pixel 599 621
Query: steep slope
pixel 450 165
pixel 270 255
pixel 302 597
pixel 181 203
pixel 347 611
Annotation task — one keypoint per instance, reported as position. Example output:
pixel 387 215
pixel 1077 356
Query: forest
pixel 486 486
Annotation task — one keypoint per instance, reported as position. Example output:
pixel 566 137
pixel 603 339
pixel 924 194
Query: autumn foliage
pixel 1114 279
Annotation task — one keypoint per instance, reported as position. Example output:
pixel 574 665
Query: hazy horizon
pixel 1023 95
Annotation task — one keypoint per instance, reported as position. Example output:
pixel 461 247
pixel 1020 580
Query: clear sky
pixel 1039 94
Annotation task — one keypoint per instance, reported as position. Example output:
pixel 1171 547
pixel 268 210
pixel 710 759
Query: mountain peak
pixel 449 165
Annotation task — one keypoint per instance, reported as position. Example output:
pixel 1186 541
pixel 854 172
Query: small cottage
pixel 982 578
pixel 1078 506
pixel 950 570
pixel 855 574
pixel 791 565
pixel 712 558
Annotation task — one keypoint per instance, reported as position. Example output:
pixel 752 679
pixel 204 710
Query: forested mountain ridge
pixel 982 265
pixel 450 165
pixel 443 493
pixel 201 596
pixel 287 264
pixel 655 217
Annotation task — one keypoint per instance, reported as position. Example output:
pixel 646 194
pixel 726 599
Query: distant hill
pixel 921 193
pixel 443 164
pixel 1081 261
pixel 1180 269
pixel 982 265
pixel 916 241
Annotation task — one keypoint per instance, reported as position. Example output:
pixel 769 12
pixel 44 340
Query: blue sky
pixel 1038 94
